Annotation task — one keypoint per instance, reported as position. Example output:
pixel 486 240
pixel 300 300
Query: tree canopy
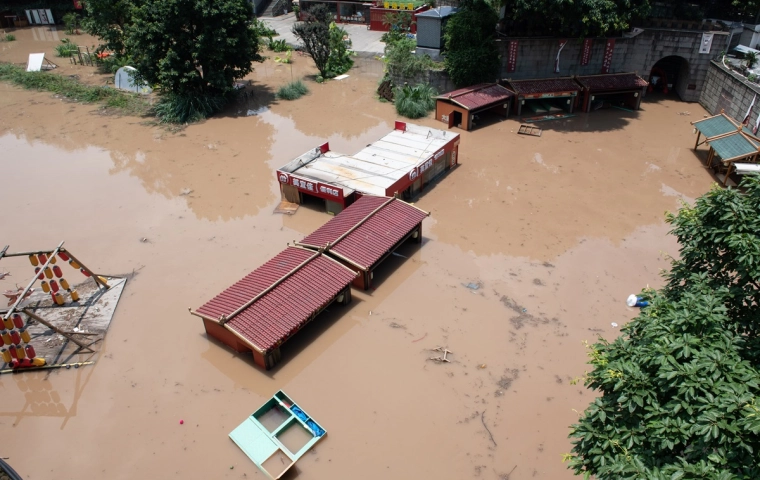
pixel 108 20
pixel 324 41
pixel 679 388
pixel 471 53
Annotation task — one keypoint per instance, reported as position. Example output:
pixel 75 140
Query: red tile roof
pixel 614 81
pixel 283 310
pixel 478 96
pixel 543 85
pixel 378 223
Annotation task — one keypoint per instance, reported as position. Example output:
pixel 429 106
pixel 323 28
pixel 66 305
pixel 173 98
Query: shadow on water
pixel 250 101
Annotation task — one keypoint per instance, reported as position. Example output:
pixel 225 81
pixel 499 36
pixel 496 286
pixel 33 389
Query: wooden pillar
pixel 697 142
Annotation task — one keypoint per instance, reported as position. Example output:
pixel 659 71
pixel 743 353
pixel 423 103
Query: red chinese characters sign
pixel 311 187
pixel 512 56
pixel 421 168
pixel 609 48
pixel 586 52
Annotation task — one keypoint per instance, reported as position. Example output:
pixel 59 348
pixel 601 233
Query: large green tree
pixel 470 41
pixel 314 32
pixel 193 47
pixel 679 388
pixel 108 20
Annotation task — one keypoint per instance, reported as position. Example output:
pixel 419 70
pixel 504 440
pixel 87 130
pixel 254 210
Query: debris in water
pixel 185 191
pixel 4 274
pixel 473 286
pixel 181 422
pixel 614 325
pixel 144 240
pixel 440 359
pixel 257 111
pixel 482 366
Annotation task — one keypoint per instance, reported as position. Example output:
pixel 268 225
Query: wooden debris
pixel 483 420
pixel 385 90
pixel 530 130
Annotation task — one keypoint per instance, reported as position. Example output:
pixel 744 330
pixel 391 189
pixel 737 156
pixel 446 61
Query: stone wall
pixel 728 91
pixel 437 79
pixel 639 53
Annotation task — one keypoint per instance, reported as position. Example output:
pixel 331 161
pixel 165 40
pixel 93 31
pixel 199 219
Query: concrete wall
pixel 728 91
pixel 536 57
pixel 437 79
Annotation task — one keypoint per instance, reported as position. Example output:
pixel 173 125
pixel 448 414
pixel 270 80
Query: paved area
pixel 363 41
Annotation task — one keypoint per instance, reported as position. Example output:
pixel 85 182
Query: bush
pixel 278 46
pixel 340 60
pixel 174 108
pixel 112 63
pixel 416 101
pixel 66 48
pixel 292 90
pixel 400 61
pixel 70 21
pixel 9 37
pixel 261 29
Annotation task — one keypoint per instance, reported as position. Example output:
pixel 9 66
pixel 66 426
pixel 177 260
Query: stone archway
pixel 670 75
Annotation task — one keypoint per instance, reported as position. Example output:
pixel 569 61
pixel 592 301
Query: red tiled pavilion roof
pixel 613 81
pixel 308 281
pixel 378 224
pixel 543 85
pixel 478 96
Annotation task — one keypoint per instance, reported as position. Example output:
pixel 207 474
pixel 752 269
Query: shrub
pixel 66 48
pixel 416 101
pixel 261 29
pixel 174 108
pixel 70 21
pixel 278 46
pixel 340 60
pixel 9 37
pixel 112 63
pixel 292 90
pixel 399 59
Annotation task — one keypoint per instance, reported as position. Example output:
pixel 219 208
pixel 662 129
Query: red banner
pixel 512 56
pixel 311 187
pixel 562 44
pixel 609 48
pixel 586 52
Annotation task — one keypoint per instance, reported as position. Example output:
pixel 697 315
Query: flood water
pixel 555 232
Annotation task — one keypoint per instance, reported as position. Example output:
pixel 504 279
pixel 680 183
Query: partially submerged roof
pixel 367 230
pixel 612 82
pixel 478 96
pixel 274 301
pixel 376 167
pixel 733 146
pixel 543 85
pixel 722 124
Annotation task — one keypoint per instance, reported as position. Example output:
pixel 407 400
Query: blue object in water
pixel 635 301
pixel 318 432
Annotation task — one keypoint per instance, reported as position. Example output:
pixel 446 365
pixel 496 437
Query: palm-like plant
pixel 416 101
pixel 751 59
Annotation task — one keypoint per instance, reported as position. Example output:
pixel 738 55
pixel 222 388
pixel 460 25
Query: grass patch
pixel 66 49
pixel 292 90
pixel 278 46
pixel 9 37
pixel 416 101
pixel 73 90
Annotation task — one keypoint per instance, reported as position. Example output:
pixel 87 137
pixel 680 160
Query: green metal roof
pixel 733 146
pixel 714 126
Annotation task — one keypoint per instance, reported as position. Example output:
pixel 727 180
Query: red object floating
pixel 84 272
pixel 15 337
pixel 54 286
pixel 57 271
pixel 43 258
pixel 181 422
pixel 41 275
pixel 12 349
pixel 18 321
pixel 30 353
pixel 63 256
pixel 52 295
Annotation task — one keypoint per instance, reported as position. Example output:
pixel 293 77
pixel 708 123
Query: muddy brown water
pixel 556 231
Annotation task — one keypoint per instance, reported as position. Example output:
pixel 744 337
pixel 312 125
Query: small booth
pixel 463 108
pixel 735 146
pixel 271 304
pixel 617 89
pixel 401 164
pixel 430 28
pixel 366 233
pixel 544 96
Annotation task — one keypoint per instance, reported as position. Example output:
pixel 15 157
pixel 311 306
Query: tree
pixel 108 20
pixel 679 388
pixel 339 61
pixel 194 50
pixel 471 53
pixel 315 35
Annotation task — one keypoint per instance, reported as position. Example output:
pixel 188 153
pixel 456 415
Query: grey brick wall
pixel 728 91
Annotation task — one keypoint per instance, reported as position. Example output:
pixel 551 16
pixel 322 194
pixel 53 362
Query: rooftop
pixel 733 146
pixel 274 301
pixel 366 230
pixel 543 85
pixel 613 81
pixel 722 124
pixel 376 167
pixel 439 12
pixel 478 96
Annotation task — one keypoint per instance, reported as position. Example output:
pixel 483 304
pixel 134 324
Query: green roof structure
pixel 733 146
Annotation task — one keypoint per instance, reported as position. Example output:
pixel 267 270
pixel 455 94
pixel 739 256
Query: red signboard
pixel 422 167
pixel 550 95
pixel 586 52
pixel 512 56
pixel 311 187
pixel 562 44
pixel 609 47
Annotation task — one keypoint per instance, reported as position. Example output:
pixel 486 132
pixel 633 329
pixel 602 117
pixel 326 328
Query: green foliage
pixel 261 29
pixel 287 58
pixel 580 18
pixel 414 102
pixel 9 37
pixel 108 20
pixel 113 63
pixel 278 46
pixel 193 50
pixel 292 90
pixel 751 59
pixel 400 61
pixel 70 22
pixel 400 25
pixel 471 53
pixel 339 61
pixel 314 32
pixel 679 388
pixel 66 48
pixel 73 90
pixel 174 108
